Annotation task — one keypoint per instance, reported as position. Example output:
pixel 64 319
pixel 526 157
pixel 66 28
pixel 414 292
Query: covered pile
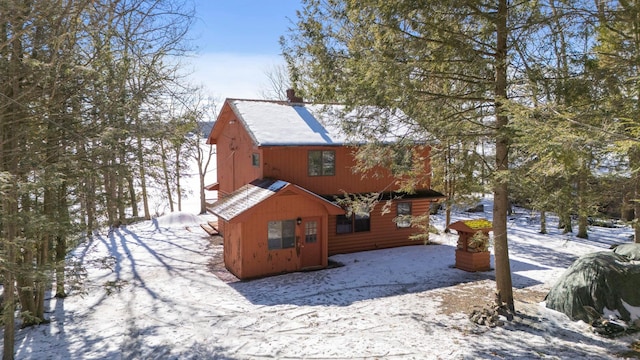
pixel 605 281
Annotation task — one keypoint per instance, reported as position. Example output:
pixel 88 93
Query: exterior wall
pixel 246 252
pixel 234 159
pixel 256 258
pixel 383 234
pixel 235 148
pixel 232 247
pixel 290 164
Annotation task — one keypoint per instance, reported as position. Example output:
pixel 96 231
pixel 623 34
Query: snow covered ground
pixel 153 290
pixel 157 290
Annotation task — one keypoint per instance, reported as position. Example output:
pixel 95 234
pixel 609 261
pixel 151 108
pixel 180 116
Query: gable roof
pixel 280 123
pixel 257 191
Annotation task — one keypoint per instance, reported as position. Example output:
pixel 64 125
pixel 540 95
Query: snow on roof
pixel 280 123
pixel 246 197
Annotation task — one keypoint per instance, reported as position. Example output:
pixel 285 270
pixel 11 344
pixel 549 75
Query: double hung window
pixel 321 163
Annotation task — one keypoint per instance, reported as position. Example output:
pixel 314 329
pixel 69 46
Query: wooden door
pixel 311 243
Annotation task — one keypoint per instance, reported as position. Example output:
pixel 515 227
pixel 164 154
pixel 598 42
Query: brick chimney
pixel 292 98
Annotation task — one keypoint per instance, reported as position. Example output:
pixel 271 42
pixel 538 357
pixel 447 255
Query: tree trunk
pixel 165 172
pixel 25 281
pixel 203 196
pixel 447 216
pixel 178 188
pixel 90 188
pixel 203 164
pixel 543 222
pixel 143 178
pixel 501 188
pixel 564 222
pixel 132 196
pixel 634 162
pixel 122 213
pixel 61 241
pixel 111 191
pixel 9 229
pixel 582 205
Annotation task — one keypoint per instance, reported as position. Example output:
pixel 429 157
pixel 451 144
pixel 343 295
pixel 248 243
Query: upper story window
pixel 403 218
pixel 255 159
pixel 402 161
pixel 322 163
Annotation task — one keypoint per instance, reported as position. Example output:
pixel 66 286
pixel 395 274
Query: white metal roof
pixel 279 123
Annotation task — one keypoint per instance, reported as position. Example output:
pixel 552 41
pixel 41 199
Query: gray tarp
pixel 631 251
pixel 599 280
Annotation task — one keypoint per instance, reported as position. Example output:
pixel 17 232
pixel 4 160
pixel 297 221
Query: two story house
pixel 281 165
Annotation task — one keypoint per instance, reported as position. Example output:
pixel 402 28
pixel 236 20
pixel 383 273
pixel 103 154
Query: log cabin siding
pixel 383 232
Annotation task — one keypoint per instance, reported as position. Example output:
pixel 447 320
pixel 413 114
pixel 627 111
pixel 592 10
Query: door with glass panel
pixel 310 243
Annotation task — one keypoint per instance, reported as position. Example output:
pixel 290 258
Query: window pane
pixel 362 223
pixel 288 234
pixel 275 244
pixel 255 159
pixel 343 224
pixel 321 163
pixel 282 234
pixel 404 208
pixel 328 163
pixel 315 163
pixel 275 235
pixel 275 230
pixel 311 232
pixel 403 219
pixel 402 160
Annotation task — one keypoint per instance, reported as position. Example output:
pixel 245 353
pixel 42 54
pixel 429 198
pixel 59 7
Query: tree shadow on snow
pixel 371 275
pixel 541 338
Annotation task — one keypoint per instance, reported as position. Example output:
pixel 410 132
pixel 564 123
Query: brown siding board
pixel 234 165
pixel 290 164
pixel 255 259
pixel 383 234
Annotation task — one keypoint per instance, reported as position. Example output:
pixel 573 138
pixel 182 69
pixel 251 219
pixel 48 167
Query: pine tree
pixel 65 100
pixel 618 61
pixel 443 63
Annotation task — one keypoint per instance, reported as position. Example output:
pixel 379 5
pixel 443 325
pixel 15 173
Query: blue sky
pixel 237 44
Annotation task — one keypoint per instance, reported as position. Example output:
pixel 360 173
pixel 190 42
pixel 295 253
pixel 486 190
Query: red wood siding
pixel 246 250
pixel 235 147
pixel 253 258
pixel 290 164
pixel 232 247
pixel 383 234
pixel 234 157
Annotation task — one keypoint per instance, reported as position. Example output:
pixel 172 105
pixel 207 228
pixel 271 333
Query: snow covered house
pixel 280 167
